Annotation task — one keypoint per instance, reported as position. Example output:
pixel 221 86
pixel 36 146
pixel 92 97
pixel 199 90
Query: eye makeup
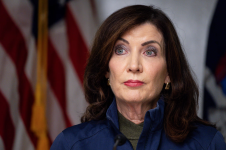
pixel 150 51
pixel 120 50
pixel 152 48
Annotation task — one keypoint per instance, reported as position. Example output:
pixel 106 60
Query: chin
pixel 133 99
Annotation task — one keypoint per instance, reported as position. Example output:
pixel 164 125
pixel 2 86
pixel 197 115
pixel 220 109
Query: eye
pixel 151 51
pixel 120 50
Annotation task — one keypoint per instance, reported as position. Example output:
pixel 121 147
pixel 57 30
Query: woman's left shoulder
pixel 208 137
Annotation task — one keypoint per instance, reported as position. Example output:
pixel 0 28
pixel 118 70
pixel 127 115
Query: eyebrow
pixel 143 44
pixel 124 40
pixel 152 41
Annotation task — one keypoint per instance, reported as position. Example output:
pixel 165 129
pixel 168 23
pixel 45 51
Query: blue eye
pixel 149 53
pixel 120 51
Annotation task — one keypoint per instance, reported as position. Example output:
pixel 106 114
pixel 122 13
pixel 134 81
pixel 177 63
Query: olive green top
pixel 131 130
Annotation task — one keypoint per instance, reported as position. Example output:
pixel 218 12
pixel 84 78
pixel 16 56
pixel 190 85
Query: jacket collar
pixel 112 113
pixel 153 117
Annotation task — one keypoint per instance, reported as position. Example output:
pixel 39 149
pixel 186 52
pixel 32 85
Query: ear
pixel 107 75
pixel 167 79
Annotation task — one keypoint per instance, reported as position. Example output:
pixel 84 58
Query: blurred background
pixel 60 46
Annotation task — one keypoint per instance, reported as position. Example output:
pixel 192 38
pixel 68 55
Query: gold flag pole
pixel 38 121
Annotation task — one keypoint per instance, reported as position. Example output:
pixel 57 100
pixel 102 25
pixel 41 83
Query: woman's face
pixel 137 68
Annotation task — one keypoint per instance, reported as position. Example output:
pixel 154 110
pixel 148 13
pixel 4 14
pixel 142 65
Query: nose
pixel 135 64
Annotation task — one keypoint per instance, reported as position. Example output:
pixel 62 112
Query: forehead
pixel 146 31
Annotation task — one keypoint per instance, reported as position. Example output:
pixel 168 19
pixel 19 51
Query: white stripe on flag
pixel 82 12
pixel 31 63
pixel 58 36
pixel 21 12
pixel 22 140
pixel 1 144
pixel 9 88
pixel 55 118
pixel 76 103
pixel 9 84
pixel 214 89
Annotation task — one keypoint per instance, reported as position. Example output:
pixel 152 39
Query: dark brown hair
pixel 182 98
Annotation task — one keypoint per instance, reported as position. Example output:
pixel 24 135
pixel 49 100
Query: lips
pixel 133 83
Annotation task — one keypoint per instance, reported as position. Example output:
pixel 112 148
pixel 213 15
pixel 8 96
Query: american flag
pixel 215 70
pixel 71 28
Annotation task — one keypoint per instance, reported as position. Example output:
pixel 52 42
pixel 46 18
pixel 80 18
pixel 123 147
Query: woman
pixel 138 83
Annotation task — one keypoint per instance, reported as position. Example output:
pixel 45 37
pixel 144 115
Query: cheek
pixel 112 66
pixel 156 81
pixel 157 72
pixel 116 67
pixel 116 70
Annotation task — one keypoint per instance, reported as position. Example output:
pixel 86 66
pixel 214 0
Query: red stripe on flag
pixel 78 51
pixel 220 71
pixel 14 45
pixel 7 129
pixel 56 77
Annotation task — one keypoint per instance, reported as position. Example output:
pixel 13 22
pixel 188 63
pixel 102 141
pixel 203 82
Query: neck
pixel 134 111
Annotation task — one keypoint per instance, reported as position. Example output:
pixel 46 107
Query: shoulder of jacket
pixel 83 131
pixel 204 135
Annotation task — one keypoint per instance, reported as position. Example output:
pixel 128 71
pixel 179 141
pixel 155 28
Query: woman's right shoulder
pixel 208 137
pixel 70 136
